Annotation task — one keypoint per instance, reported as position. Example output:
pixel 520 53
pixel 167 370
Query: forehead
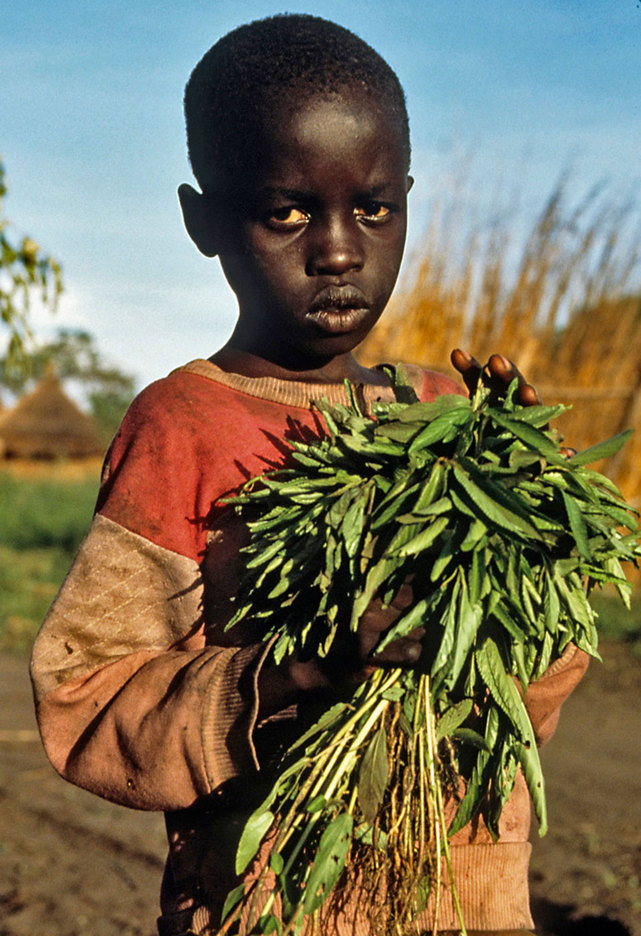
pixel 349 125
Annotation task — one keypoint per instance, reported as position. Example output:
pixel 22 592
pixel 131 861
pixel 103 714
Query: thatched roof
pixel 47 424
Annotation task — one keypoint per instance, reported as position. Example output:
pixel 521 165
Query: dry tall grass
pixel 564 302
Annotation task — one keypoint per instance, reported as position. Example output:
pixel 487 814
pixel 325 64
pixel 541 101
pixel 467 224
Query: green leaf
pixel 551 605
pixel 427 412
pixel 601 450
pixel 444 428
pixel 533 438
pixel 373 776
pixel 452 718
pixel 538 416
pixel 423 540
pixel 270 924
pixel 477 784
pixel 317 804
pixel 329 861
pixel 529 758
pixel 476 531
pixel 352 525
pixel 503 689
pixel 482 502
pixel 476 578
pixel 256 827
pixel 577 525
pixel 232 900
pixel 468 622
pixel 276 862
pixel 471 737
pixel 404 625
pixel 403 387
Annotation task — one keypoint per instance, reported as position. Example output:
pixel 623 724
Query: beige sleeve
pixel 544 697
pixel 130 702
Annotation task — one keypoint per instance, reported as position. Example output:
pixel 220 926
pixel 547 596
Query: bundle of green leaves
pixel 504 538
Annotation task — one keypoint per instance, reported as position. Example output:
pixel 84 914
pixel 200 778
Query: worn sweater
pixel 142 696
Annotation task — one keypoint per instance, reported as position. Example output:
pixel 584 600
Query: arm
pixel 544 698
pixel 131 702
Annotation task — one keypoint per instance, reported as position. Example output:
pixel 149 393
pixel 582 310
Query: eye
pixel 286 217
pixel 374 212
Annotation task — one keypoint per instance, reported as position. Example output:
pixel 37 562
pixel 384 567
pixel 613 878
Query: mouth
pixel 338 309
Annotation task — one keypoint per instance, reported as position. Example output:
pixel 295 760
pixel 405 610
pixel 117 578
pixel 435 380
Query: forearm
pixel 130 702
pixel 544 698
pixel 156 731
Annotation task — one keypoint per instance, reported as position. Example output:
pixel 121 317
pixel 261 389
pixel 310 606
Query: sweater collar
pixel 290 392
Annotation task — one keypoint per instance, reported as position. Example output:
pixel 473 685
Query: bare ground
pixel 73 865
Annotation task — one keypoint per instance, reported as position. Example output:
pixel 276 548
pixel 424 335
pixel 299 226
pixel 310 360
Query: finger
pixel 528 396
pixel 403 597
pixel 400 652
pixel 501 367
pixel 503 371
pixel 467 366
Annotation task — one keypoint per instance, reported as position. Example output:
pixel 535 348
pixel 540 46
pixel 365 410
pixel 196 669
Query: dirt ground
pixel 73 865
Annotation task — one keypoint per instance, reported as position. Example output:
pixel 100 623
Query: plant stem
pixel 440 824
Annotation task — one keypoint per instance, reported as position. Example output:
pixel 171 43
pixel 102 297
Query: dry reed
pixel 564 302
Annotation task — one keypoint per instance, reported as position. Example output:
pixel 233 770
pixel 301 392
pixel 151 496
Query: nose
pixel 335 247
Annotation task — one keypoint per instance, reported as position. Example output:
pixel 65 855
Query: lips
pixel 338 309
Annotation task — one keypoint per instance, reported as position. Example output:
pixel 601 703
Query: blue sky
pixel 91 133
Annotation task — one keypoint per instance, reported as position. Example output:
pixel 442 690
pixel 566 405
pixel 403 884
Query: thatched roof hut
pixel 47 424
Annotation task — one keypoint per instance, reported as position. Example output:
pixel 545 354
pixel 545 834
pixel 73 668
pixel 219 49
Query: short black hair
pixel 241 80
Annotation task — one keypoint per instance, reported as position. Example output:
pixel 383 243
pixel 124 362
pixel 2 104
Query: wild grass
pixel 43 523
pixel 561 298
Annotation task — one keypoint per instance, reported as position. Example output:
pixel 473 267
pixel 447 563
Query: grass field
pixel 44 520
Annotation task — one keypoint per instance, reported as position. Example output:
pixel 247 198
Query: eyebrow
pixel 293 194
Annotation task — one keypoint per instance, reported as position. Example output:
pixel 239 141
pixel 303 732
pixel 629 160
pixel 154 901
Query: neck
pixel 337 369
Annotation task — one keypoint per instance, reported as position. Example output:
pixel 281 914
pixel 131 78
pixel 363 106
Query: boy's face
pixel 313 248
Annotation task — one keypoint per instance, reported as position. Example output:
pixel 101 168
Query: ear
pixel 410 182
pixel 200 217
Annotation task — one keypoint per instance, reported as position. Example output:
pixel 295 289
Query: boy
pixel 298 137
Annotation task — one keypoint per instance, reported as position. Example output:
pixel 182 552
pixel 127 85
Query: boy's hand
pixel 497 375
pixel 350 661
pixel 375 621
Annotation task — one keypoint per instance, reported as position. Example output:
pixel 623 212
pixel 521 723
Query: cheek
pixel 386 267
pixel 273 260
